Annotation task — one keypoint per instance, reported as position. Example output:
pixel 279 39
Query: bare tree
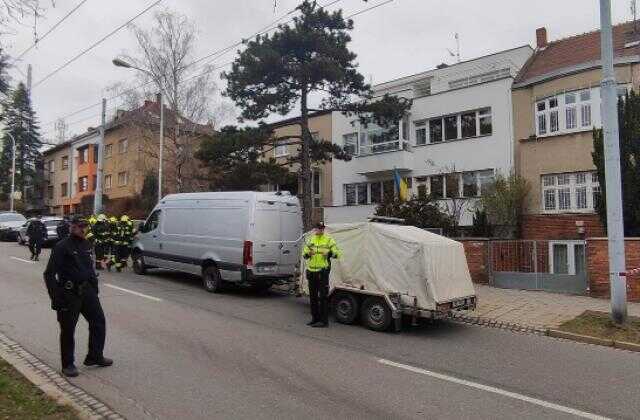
pixel 165 53
pixel 16 11
pixel 455 204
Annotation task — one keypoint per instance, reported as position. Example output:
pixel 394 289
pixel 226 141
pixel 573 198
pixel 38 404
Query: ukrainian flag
pixel 401 185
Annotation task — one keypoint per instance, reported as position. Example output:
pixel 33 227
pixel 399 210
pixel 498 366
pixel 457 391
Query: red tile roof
pixel 576 50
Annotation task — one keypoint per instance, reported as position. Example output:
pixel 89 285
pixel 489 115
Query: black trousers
pixel 101 252
pixel 91 309
pixel 35 247
pixel 319 295
pixel 122 255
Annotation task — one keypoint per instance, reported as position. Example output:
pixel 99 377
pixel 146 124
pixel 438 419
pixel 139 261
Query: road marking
pixel 487 388
pixel 20 259
pixel 133 292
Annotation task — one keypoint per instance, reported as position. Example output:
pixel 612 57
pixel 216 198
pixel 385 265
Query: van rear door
pixel 266 238
pixel 291 234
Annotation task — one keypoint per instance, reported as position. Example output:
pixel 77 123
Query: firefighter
pixel 318 250
pixel 99 235
pixel 123 240
pixel 112 242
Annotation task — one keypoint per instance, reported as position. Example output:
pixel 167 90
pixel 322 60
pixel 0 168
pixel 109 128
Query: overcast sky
pixel 397 39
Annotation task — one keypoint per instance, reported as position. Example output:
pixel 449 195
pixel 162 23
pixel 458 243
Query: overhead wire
pixel 218 53
pixel 95 44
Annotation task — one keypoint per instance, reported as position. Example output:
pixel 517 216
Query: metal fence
pixel 557 266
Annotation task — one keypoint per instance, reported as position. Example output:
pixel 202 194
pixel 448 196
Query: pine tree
pixel 629 123
pixel 19 120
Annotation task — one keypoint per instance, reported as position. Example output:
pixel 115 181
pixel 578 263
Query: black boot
pixel 70 371
pixel 102 362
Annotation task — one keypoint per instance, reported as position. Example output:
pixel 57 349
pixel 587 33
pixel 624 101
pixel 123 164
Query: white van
pixel 249 238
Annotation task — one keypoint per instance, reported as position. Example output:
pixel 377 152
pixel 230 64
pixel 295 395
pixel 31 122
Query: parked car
pixel 247 238
pixel 390 271
pixel 51 223
pixel 10 222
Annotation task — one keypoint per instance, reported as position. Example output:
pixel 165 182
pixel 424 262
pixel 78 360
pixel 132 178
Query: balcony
pixel 383 157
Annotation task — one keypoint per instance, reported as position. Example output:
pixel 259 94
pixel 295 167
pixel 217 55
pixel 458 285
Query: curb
pixel 494 323
pixel 623 345
pixel 53 384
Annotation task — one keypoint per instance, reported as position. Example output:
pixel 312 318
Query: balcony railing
pixel 383 147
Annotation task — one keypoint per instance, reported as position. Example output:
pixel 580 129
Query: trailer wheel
pixel 212 280
pixel 345 307
pixel 376 314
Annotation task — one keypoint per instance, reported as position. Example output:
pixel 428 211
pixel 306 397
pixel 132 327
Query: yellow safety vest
pixel 318 250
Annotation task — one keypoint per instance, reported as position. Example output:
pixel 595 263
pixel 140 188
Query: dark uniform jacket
pixel 70 272
pixel 62 229
pixel 37 231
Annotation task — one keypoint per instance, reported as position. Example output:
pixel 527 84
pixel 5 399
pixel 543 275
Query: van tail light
pixel 247 253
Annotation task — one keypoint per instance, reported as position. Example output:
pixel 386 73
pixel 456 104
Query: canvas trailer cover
pixel 420 269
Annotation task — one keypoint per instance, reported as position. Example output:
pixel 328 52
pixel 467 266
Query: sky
pixel 396 39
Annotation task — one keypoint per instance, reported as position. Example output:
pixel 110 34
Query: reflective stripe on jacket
pixel 317 250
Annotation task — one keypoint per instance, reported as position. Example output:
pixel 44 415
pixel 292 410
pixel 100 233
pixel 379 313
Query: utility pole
pixel 29 79
pixel 615 222
pixel 97 198
pixel 161 146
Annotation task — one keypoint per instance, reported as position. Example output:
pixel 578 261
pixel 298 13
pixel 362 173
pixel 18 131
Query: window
pixel 107 182
pixel 376 192
pixel 486 125
pixel 469 184
pixel 108 150
pixel 280 149
pixel 64 189
pixel 421 133
pixel 317 187
pixel 50 192
pixel 567 112
pixel 486 179
pixel 453 185
pixel 123 179
pixel 554 124
pixel 356 194
pixel 152 222
pixel 52 166
pixel 123 145
pixel 468 122
pixel 83 184
pixel 570 192
pixel 437 186
pixel 82 155
pixel 350 143
pixel 451 127
pixel 567 257
pixel 65 162
pixel 435 130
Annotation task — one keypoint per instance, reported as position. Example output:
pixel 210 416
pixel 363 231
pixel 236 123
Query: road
pixel 183 353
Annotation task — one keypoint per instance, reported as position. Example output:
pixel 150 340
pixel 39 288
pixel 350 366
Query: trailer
pixel 390 272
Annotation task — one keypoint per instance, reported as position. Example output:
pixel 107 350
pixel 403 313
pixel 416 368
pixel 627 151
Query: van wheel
pixel 139 267
pixel 345 307
pixel 212 280
pixel 376 314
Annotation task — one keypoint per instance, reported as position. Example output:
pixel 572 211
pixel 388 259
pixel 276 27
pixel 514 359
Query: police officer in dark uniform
pixel 37 233
pixel 72 284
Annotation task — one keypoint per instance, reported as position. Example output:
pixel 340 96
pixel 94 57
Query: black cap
pixel 320 225
pixel 77 220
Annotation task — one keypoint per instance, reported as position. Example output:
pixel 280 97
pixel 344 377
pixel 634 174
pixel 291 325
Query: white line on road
pixel 133 292
pixel 487 388
pixel 20 259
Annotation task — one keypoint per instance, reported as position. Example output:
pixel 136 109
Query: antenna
pixel 456 55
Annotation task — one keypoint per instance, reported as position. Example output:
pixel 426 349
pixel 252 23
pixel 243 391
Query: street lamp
pixel 121 63
pixel 13 169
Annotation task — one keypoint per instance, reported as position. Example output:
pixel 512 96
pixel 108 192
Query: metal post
pixel 13 170
pixel 615 223
pixel 97 197
pixel 161 151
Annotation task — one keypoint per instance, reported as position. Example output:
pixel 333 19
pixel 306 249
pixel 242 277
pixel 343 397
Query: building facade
pixel 556 99
pixel 457 136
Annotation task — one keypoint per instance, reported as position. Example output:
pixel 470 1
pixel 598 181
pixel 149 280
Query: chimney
pixel 541 38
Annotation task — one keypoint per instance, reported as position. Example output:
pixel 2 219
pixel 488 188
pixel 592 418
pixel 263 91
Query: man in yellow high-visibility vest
pixel 318 250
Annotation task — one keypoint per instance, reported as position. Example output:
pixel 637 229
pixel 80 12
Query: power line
pixel 23 53
pixel 217 54
pixel 86 50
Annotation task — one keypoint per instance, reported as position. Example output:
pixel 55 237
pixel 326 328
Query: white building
pixel 457 136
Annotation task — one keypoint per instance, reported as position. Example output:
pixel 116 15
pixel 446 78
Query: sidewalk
pixel 539 310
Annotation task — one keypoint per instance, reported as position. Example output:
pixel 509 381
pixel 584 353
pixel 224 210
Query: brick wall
pixel 477 251
pixel 560 226
pixel 598 267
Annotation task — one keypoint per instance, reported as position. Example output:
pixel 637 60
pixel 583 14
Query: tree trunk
pixel 305 173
